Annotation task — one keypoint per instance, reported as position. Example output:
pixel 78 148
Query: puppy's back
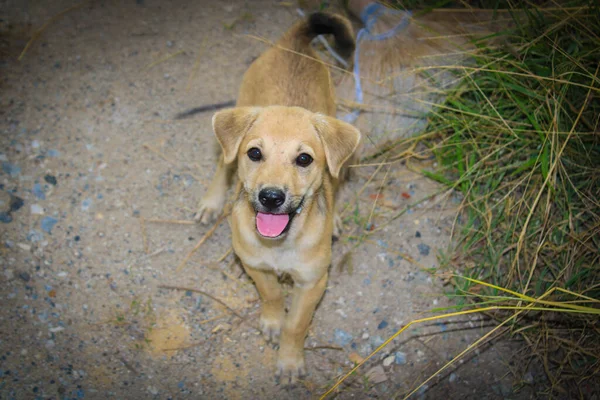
pixel 289 74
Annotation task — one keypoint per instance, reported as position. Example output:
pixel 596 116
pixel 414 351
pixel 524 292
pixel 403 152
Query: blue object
pixel 38 191
pixel 11 169
pixel 423 249
pixel 48 223
pixel 341 337
pixel 5 217
pixel 400 358
pixel 369 17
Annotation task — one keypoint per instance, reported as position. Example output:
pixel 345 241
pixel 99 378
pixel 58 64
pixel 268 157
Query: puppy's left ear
pixel 340 140
pixel 230 126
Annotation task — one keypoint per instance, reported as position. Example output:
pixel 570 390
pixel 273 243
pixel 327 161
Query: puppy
pixel 289 152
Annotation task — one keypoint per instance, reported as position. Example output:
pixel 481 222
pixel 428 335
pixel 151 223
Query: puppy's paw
pixel 290 368
pixel 270 326
pixel 208 210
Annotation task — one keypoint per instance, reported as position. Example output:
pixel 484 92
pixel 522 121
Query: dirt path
pixel 89 147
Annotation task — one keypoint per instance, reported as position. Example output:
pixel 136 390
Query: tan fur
pixel 286 107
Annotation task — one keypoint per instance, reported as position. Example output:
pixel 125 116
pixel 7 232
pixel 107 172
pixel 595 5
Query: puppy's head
pixel 282 155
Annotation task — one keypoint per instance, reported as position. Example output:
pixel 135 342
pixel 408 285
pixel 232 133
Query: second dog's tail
pixel 298 38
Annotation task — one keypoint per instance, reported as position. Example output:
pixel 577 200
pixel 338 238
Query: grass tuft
pixel 519 138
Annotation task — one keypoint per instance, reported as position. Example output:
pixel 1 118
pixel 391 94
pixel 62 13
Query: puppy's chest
pixel 278 260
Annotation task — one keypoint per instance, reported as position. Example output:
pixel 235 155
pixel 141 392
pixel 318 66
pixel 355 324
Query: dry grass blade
pixel 39 32
pixel 201 242
pixel 518 310
pixel 210 296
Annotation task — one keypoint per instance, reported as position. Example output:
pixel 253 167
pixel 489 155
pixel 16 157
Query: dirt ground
pixel 89 147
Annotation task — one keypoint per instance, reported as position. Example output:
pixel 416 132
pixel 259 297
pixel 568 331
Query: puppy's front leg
pixel 291 352
pixel 271 316
pixel 213 201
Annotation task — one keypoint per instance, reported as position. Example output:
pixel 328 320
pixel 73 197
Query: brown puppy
pixel 289 151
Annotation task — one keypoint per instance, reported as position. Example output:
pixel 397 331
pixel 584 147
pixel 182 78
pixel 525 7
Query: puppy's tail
pixel 298 38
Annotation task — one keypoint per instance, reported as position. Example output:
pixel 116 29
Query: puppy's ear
pixel 230 126
pixel 340 140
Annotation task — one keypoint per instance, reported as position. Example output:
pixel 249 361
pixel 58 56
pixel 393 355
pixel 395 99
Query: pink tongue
pixel 271 225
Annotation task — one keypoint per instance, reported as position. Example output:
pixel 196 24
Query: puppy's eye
pixel 254 154
pixel 304 160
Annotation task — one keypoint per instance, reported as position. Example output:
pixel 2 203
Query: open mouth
pixel 275 225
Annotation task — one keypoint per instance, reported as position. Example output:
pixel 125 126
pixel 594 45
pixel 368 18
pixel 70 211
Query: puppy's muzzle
pixel 271 198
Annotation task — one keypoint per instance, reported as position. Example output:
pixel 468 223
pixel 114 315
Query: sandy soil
pixel 89 147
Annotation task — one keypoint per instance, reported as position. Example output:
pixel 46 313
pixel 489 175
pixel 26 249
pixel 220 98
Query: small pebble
pixel 382 325
pixel 418 234
pixel 377 341
pixel 11 169
pixel 423 249
pixel 36 209
pixel 24 276
pixel 452 377
pixel 53 153
pixel 86 204
pixel 400 358
pixel 388 361
pixel 48 223
pixel 38 191
pixel 5 217
pixel 16 203
pixel 341 337
pixel 50 179
pixel 35 236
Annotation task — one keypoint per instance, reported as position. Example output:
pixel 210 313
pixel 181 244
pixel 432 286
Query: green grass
pixel 519 138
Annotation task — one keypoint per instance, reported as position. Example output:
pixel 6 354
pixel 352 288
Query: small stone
pixel 35 144
pixel 5 217
pixel 38 191
pixel 365 336
pixel 11 169
pixel 24 276
pixel 53 153
pixel 376 375
pixel 16 203
pixel 153 391
pixel 377 341
pixel 418 234
pixel 382 325
pixel 36 209
pixel 423 249
pixel 48 223
pixel 341 337
pixel 528 378
pixel 388 361
pixel 452 377
pixel 50 179
pixel 86 204
pixel 169 43
pixel 400 358
pixel 355 358
pixel 24 247
pixel 35 236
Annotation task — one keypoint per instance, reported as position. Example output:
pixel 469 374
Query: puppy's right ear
pixel 230 126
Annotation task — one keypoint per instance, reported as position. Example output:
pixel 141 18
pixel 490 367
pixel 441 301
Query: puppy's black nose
pixel 271 198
